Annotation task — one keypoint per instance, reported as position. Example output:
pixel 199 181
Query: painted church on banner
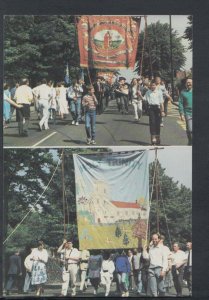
pixel 98 208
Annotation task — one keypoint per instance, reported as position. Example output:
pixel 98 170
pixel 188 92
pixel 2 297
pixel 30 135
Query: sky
pixel 177 161
pixel 179 23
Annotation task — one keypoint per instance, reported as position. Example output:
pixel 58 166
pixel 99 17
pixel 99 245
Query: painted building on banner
pixel 103 210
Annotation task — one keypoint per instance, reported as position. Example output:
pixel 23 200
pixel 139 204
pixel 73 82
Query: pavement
pixel 54 290
pixel 112 128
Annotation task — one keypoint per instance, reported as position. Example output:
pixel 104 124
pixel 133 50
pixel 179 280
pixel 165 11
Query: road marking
pixel 173 112
pixel 41 141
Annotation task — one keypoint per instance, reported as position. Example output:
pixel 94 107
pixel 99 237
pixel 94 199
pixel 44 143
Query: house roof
pixel 125 204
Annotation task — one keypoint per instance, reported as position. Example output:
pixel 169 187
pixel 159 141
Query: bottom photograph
pixel 97 222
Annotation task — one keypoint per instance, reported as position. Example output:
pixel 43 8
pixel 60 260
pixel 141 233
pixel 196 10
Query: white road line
pixel 41 141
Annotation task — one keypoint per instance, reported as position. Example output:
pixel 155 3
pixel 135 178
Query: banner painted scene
pixel 108 41
pixel 112 199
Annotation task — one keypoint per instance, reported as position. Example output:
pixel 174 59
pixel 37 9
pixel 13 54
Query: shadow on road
pixel 78 142
pixel 136 142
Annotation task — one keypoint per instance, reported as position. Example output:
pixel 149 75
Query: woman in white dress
pixel 61 93
pixel 39 256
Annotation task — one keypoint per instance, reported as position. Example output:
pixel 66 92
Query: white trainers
pixel 88 141
pixel 73 122
pixel 127 294
pixel 95 292
pixel 76 123
pixel 93 142
pixel 123 294
pixel 106 294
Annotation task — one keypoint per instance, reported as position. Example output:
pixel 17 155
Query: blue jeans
pixel 90 124
pixel 75 108
pixel 155 283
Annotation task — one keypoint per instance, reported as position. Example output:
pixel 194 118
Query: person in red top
pixel 90 102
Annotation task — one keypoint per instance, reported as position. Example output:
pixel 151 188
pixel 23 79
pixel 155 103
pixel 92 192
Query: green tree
pixel 175 207
pixel 188 33
pixel 156 59
pixel 40 46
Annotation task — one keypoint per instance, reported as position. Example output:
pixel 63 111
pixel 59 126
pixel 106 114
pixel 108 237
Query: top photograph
pixel 88 80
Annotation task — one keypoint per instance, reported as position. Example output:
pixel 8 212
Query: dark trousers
pixel 95 282
pixel 23 115
pixel 178 279
pixel 13 279
pixel 154 119
pixel 100 103
pixel 188 277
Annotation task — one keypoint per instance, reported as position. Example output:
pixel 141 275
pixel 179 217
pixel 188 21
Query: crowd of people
pixel 150 270
pixel 84 102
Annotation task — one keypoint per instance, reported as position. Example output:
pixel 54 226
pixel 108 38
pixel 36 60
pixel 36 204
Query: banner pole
pixel 63 193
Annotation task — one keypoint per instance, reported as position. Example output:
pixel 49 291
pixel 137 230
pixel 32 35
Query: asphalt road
pixel 55 291
pixel 112 128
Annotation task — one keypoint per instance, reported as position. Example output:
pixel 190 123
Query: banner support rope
pixel 14 230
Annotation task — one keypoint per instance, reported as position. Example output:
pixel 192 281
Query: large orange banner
pixel 108 42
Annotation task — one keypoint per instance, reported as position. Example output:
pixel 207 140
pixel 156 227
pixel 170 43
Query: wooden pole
pixel 63 193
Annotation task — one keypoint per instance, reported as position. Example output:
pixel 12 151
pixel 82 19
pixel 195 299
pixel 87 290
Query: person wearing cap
pixel 70 257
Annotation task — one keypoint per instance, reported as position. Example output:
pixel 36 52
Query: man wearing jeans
pixel 123 269
pixel 157 268
pixel 90 102
pixel 185 108
pixel 74 94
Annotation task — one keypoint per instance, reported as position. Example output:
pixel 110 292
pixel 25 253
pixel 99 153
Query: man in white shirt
pixel 179 259
pixel 44 94
pixel 23 96
pixel 84 258
pixel 154 98
pixel 157 268
pixel 71 258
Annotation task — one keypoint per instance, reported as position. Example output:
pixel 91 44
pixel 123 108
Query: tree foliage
pixel 175 208
pixel 26 174
pixel 156 57
pixel 40 46
pixel 188 33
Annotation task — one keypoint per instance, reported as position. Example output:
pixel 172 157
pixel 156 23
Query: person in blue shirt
pixel 123 269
